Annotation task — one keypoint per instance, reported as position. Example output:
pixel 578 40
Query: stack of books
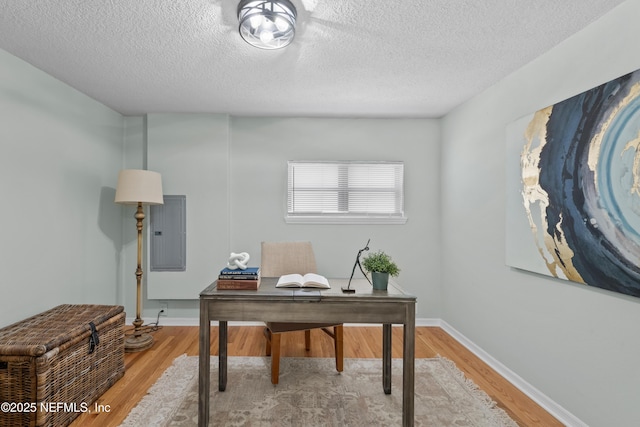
pixel 248 279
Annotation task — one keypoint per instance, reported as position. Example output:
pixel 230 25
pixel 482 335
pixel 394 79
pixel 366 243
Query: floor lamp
pixel 139 187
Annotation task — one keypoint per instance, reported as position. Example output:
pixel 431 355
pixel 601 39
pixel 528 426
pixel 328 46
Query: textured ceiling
pixel 355 58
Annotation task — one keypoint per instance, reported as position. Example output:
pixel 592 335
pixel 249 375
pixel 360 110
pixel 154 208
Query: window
pixel 349 192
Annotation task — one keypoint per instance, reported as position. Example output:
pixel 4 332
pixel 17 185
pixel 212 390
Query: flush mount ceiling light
pixel 267 24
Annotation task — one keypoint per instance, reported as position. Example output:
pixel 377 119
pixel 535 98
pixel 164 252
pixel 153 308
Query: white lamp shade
pixel 139 186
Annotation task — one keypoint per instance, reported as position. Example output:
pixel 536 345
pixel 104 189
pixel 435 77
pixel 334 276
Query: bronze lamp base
pixel 135 343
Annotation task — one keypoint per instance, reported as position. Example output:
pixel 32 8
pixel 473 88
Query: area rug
pixel 312 393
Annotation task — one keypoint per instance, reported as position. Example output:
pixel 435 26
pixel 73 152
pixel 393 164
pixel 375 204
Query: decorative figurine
pixel 238 261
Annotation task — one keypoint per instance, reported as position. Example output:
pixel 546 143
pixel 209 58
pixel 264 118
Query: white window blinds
pixel 345 191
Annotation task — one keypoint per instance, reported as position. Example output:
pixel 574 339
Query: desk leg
pixel 386 358
pixel 204 365
pixel 408 367
pixel 222 355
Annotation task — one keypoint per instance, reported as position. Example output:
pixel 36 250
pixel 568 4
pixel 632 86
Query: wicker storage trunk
pixel 51 370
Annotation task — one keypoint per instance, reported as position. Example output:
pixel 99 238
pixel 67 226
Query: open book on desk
pixel 309 280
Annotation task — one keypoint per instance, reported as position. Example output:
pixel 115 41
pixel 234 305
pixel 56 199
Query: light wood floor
pixel 144 368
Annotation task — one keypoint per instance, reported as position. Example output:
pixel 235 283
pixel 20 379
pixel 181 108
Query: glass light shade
pixel 139 186
pixel 267 24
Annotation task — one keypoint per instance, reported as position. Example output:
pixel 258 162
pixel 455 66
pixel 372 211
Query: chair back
pixel 278 258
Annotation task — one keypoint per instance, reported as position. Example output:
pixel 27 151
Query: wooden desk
pixel 309 305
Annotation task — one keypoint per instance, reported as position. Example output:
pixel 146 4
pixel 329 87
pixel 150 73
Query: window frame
pixel 343 216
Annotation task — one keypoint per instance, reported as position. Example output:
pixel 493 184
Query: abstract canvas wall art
pixel 573 188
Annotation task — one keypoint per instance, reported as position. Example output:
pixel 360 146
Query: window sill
pixel 345 220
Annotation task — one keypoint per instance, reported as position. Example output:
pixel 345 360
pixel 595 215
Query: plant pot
pixel 380 280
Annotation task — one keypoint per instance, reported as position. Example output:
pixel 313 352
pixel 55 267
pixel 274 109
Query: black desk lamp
pixel 348 289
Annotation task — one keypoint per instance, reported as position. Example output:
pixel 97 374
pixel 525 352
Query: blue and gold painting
pixel 573 188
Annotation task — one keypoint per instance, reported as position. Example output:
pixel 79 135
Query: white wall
pixel 576 344
pixel 259 152
pixel 191 153
pixel 61 152
pixel 247 205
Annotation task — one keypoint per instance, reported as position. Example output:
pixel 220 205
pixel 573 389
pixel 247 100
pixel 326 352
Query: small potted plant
pixel 381 266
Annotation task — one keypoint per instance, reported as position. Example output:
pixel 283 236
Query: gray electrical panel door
pixel 168 229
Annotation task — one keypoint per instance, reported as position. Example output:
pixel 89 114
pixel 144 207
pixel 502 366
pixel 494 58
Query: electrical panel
pixel 168 230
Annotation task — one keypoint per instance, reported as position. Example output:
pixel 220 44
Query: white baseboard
pixel 564 416
pixel 192 321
